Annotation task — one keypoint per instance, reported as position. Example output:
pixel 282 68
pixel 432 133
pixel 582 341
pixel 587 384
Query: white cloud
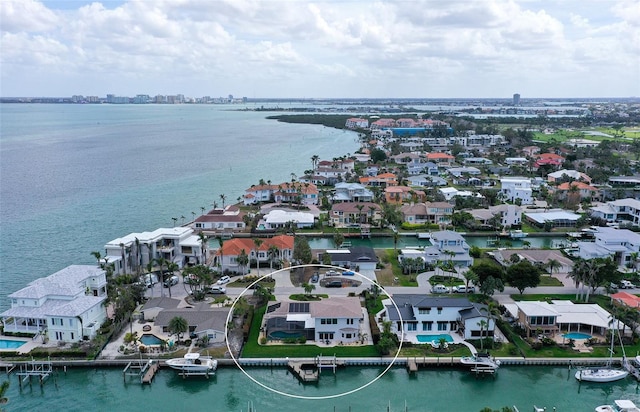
pixel 324 48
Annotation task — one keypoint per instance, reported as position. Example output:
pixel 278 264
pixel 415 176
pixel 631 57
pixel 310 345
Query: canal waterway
pixel 441 390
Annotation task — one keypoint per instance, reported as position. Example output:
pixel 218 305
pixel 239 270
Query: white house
pixel 228 219
pixel 351 192
pixel 277 219
pixel 179 245
pixel 337 320
pixel 620 211
pixel 68 305
pixel 517 188
pixel 510 215
pixel 448 246
pixel 622 245
pixel 424 315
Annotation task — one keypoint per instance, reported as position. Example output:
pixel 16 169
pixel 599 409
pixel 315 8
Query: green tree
pixel 485 270
pixel 257 242
pixel 178 326
pixel 204 241
pixel 243 261
pixel 301 251
pixel 338 239
pixel 490 285
pixel 553 266
pixel 483 325
pixel 272 253
pixel 308 288
pixel 262 293
pixel 523 275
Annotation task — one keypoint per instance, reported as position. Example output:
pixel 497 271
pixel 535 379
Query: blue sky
pixel 430 48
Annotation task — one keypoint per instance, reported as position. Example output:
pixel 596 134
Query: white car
pixel 217 290
pixel 463 289
pixel 223 280
pixel 625 284
pixel 440 289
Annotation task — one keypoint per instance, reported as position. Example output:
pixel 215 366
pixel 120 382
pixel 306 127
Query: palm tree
pixel 243 260
pixel 161 262
pixel 221 249
pixel 314 161
pixel 308 288
pixel 193 216
pixel 396 238
pixel 577 274
pixel 483 324
pixel 202 208
pixel 178 326
pixel 203 245
pixel 171 268
pixel 182 218
pixel 124 261
pixel 257 242
pixel 554 266
pixel 175 220
pixel 272 253
pixel 223 198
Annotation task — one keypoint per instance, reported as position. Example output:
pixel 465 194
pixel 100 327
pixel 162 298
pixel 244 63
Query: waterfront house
pixel 229 219
pixel 562 315
pixel 203 320
pixel 356 123
pixel 296 192
pixel 348 165
pixel 539 257
pixel 353 214
pixel 332 321
pixel 425 180
pixel 179 245
pixel 451 192
pixel 68 305
pixel 513 188
pixel 436 315
pixel 381 180
pixel 226 258
pixel 450 246
pixel 623 211
pixel 278 219
pixel 351 192
pixel 508 215
pixel 401 194
pixel 153 306
pixel 622 245
pixel 438 213
pixel 582 191
pixel 259 194
pixel 556 218
pixel 565 174
pixel 360 258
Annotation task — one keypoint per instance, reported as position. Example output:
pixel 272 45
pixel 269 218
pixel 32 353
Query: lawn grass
pixel 549 281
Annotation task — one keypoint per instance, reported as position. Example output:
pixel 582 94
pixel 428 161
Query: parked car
pixel 334 284
pixel 440 289
pixel 348 273
pixel 625 284
pixel 315 278
pixel 223 280
pixel 331 273
pixel 171 281
pixel 217 290
pixel 463 289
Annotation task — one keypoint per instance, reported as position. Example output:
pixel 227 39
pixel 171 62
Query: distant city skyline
pixel 324 49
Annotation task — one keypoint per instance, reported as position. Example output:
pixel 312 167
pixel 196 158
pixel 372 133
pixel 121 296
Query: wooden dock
pixel 150 373
pixel 412 365
pixel 305 371
pixel 40 369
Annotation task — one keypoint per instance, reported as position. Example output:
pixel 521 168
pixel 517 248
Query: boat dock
pixel 146 371
pixel 310 370
pixel 41 369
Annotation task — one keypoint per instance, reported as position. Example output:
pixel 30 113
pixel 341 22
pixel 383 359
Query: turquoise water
pixel 74 177
pixel 434 338
pixel 150 339
pixel 576 335
pixel 281 334
pixel 11 344
pixel 441 390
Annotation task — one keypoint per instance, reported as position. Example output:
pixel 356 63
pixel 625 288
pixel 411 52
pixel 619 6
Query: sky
pixel 321 49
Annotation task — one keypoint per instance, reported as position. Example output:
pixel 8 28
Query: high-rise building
pixel 516 99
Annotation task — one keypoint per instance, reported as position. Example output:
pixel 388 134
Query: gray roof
pixel 66 282
pixel 163 302
pixel 56 307
pixel 473 312
pixel 356 254
pixel 406 303
pixel 195 317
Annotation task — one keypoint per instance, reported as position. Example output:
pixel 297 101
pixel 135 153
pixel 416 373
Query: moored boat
pixel 605 373
pixel 481 360
pixel 193 364
pixel 622 405
pixel 517 234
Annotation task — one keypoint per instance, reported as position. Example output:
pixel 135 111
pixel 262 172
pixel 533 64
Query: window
pixel 424 311
pixel 59 335
pixel 442 326
pixel 71 324
pixel 411 326
pixel 439 311
pixel 72 336
pixel 349 321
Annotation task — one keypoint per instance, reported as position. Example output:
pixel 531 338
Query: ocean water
pixel 74 177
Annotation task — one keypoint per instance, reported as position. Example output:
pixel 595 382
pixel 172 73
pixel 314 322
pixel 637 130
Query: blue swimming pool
pixel 150 339
pixel 576 335
pixel 11 344
pixel 435 338
pixel 283 334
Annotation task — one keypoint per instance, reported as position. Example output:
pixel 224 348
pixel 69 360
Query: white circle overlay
pixel 293 395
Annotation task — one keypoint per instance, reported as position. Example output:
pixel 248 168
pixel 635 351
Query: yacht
pixel 193 364
pixel 622 405
pixel 481 361
pixel 605 373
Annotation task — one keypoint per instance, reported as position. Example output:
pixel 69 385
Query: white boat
pixel 517 234
pixel 481 361
pixel 622 405
pixel 193 364
pixel 605 373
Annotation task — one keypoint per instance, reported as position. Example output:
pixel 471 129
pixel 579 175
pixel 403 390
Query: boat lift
pixel 41 369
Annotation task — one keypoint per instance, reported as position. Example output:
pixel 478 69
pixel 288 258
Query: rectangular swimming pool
pixel 11 344
pixel 434 338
